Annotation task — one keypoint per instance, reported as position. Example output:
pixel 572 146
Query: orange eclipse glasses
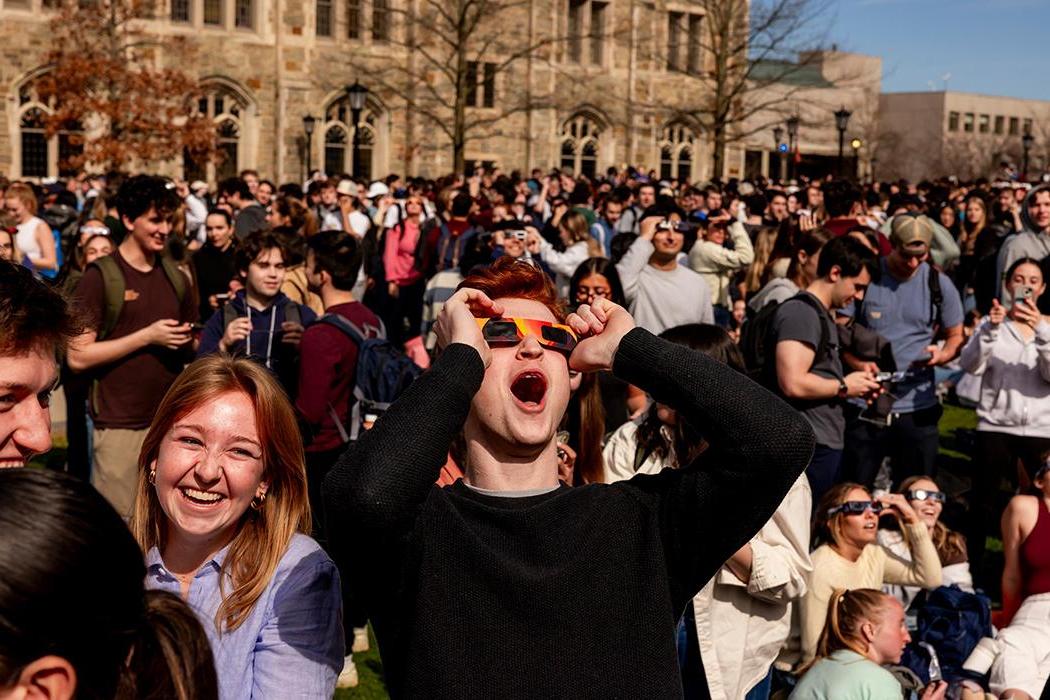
pixel 510 330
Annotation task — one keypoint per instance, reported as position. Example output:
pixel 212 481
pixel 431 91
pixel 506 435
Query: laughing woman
pixel 221 512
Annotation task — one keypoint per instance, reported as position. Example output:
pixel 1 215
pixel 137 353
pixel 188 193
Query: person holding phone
pixel 1010 352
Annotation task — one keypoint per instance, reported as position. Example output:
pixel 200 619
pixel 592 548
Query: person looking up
pixel 846 526
pixel 34 236
pixel 717 264
pixel 662 293
pixel 139 309
pixel 604 229
pixel 579 245
pixel 221 515
pixel 260 322
pixel 503 380
pixel 67 632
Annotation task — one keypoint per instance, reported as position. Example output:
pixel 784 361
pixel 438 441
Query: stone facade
pixel 594 103
pixel 926 134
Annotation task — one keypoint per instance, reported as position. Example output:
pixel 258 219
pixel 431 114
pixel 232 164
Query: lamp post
pixel 308 128
pixel 842 123
pixel 778 134
pixel 874 162
pixel 855 144
pixel 356 95
pixel 792 127
pixel 1026 145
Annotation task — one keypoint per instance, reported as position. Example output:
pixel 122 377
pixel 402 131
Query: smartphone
pixel 222 297
pixel 1022 294
pixel 197 326
pixel 518 235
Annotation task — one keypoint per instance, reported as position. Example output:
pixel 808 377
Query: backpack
pixel 760 354
pixel 952 621
pixel 114 286
pixel 383 373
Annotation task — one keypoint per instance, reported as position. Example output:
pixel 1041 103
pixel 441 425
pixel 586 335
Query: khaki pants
pixel 115 472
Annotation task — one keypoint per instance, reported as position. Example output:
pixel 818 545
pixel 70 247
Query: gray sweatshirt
pixel 662 299
pixel 1015 378
pixel 1029 243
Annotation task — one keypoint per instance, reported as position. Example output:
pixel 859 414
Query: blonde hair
pixel 765 242
pixel 847 612
pixel 828 529
pixel 23 193
pixel 264 533
pixel 575 224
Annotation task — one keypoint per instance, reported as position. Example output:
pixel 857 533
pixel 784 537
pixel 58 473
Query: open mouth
pixel 529 388
pixel 201 498
pixel 12 463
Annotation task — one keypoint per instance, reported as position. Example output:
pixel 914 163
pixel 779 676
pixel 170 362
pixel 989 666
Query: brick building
pixel 603 95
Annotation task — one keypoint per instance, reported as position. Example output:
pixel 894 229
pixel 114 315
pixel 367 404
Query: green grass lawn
pixel 369 674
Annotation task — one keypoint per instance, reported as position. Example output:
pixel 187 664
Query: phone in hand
pixel 1021 294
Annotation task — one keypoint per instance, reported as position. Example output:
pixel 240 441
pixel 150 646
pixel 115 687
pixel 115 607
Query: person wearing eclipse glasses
pixel 927 500
pixel 509 583
pixel 849 556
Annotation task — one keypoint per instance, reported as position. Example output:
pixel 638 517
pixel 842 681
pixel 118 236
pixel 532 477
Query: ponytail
pixel 171 657
pixel 847 611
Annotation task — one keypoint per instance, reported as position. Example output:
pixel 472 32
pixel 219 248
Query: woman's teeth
pixel 206 496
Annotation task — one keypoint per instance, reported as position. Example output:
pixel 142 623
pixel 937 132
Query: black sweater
pixel 573 593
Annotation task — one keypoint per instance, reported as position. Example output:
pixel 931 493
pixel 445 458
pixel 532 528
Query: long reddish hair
pixel 265 533
pixel 510 278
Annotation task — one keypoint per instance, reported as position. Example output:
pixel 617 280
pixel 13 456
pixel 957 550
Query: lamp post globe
pixel 356 95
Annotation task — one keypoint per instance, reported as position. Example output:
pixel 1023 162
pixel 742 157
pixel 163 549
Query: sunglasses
pixel 509 331
pixel 924 495
pixel 856 508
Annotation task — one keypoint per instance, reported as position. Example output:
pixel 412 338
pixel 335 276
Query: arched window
pixel 338 139
pixel 38 154
pixel 226 109
pixel 580 146
pixel 677 142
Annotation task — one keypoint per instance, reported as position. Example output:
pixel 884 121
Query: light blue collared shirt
pixel 291 644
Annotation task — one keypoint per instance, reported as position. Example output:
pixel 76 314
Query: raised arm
pixel 975 354
pixel 759 446
pixel 383 478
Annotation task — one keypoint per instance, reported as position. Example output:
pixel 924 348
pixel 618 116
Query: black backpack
pixel 759 349
pixel 383 372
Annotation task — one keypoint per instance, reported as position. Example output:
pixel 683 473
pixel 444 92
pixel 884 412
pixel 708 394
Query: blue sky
pixel 995 47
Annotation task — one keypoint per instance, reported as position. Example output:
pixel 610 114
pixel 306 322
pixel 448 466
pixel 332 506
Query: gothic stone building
pixel 600 96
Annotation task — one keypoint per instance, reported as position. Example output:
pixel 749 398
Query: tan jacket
pixel 742 627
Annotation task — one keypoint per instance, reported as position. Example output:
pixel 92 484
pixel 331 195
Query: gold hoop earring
pixel 152 478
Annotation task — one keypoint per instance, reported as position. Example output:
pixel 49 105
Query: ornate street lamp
pixel 308 127
pixel 1026 144
pixel 792 127
pixel 855 144
pixel 842 123
pixel 356 95
pixel 778 134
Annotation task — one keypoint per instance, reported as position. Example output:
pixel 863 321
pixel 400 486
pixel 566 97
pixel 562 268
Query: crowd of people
pixel 548 435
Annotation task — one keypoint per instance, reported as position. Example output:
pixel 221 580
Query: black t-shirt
pixel 214 268
pixel 799 321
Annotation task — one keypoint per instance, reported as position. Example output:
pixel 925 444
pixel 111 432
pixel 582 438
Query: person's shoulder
pixel 302 556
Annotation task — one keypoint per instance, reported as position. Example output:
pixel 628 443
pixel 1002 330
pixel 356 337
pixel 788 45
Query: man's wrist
pixel 842 391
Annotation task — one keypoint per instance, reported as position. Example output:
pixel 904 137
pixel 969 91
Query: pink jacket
pixel 399 253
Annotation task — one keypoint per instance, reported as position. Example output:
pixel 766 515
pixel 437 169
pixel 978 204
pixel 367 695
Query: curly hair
pixel 508 277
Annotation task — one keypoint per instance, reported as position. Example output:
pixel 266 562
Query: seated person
pixel 494 566
pixel 849 557
pixel 927 500
pixel 1022 666
pixel 865 629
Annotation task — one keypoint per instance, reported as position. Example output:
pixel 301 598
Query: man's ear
pixel 835 273
pixel 47 678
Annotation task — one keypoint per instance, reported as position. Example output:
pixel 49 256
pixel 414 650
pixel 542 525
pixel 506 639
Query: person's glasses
pixel 509 331
pixel 925 495
pixel 856 508
pixel 94 231
pixel 592 292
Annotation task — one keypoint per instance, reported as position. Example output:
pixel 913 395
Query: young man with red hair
pixel 509 583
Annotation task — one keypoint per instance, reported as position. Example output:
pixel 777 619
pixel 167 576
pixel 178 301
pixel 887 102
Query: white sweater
pixel 1015 378
pixel 662 299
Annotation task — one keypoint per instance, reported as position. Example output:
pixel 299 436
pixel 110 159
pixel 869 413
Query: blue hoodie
pixel 263 344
